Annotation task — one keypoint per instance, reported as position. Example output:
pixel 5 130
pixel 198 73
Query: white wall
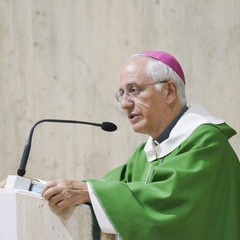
pixel 62 58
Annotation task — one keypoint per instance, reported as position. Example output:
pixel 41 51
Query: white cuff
pixel 101 216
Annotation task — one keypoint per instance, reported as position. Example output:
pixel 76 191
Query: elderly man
pixel 183 183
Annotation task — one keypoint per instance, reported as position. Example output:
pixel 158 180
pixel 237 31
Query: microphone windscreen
pixel 108 126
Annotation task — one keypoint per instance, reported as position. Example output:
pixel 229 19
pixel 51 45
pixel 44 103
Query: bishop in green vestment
pixel 190 192
pixel 183 183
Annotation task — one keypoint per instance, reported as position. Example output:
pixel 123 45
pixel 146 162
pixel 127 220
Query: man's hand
pixel 2 183
pixel 65 194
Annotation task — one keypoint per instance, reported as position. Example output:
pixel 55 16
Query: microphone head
pixel 109 126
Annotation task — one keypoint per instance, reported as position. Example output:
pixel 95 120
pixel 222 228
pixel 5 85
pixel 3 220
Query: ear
pixel 170 90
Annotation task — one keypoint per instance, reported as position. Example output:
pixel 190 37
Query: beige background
pixel 62 58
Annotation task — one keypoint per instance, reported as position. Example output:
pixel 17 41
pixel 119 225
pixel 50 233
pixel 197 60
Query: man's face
pixel 146 107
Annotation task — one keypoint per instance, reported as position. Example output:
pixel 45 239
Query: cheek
pixel 155 102
pixel 151 103
pixel 156 109
pixel 142 105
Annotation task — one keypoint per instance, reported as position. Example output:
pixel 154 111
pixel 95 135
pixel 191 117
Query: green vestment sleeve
pixel 192 193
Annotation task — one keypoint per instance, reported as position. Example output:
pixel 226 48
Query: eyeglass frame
pixel 119 95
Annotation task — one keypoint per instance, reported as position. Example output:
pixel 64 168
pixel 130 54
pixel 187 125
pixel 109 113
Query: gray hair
pixel 159 71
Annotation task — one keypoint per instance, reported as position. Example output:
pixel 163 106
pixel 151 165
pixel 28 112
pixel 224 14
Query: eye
pixel 133 90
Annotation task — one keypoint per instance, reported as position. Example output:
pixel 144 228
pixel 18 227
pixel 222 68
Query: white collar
pixel 195 116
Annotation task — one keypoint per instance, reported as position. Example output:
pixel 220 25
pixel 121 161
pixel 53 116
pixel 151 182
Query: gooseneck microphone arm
pixel 106 126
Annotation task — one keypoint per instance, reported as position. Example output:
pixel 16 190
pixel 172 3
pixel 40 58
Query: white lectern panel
pixel 27 216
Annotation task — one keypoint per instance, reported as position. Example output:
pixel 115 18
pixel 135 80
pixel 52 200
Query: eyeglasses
pixel 133 90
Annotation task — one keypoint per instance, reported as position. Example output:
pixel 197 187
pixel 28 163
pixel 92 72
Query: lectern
pixel 25 215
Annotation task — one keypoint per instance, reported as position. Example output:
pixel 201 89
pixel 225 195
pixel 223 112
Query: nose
pixel 126 102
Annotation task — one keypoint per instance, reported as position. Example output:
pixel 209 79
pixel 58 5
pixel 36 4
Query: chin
pixel 140 126
pixel 138 129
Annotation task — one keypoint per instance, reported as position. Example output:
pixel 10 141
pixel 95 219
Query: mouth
pixel 134 117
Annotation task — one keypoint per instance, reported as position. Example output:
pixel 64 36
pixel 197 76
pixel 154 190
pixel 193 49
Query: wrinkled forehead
pixel 135 72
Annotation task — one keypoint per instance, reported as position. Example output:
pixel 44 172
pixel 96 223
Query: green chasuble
pixel 192 193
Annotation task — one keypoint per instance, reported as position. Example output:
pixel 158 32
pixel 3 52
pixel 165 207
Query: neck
pixel 174 115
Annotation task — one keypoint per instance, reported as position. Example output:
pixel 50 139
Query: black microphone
pixel 106 126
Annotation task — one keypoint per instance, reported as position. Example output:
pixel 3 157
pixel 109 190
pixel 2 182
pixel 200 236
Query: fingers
pixel 66 193
pixel 52 188
pixel 3 183
pixel 56 192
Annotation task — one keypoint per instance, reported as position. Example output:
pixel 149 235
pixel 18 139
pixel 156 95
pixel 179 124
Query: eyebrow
pixel 130 84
